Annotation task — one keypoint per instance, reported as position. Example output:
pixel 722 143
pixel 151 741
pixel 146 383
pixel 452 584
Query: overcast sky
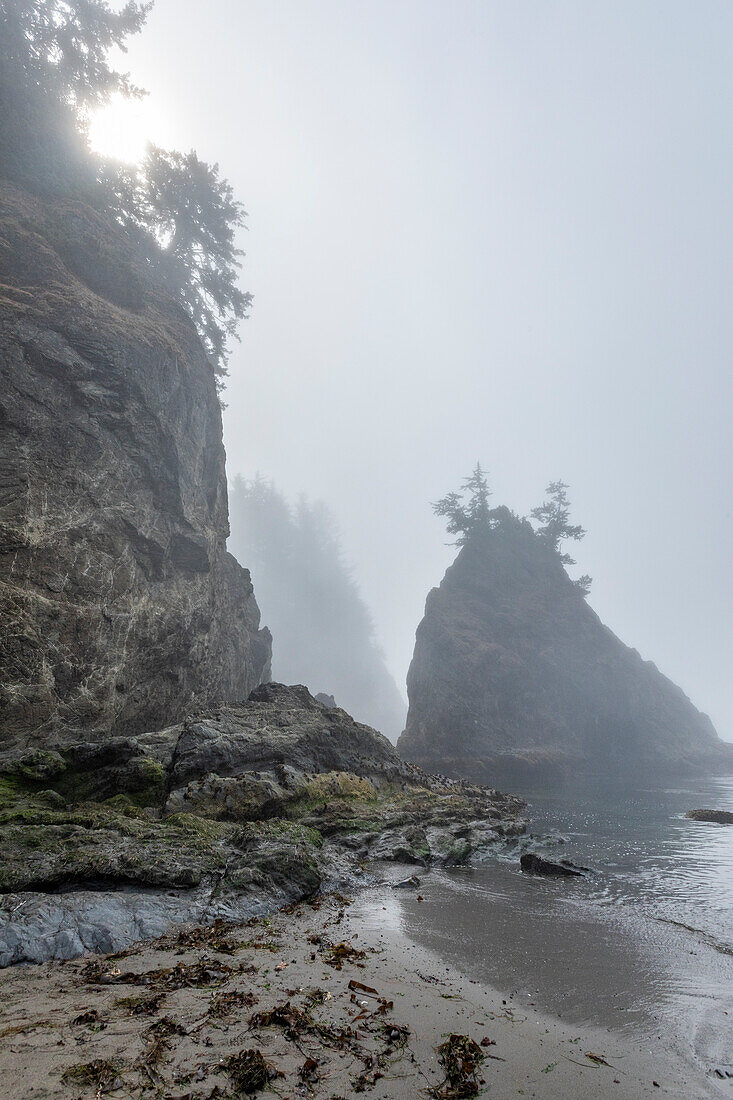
pixel 481 230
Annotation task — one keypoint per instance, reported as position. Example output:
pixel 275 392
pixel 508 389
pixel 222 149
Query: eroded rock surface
pixel 514 673
pixel 120 609
pixel 225 814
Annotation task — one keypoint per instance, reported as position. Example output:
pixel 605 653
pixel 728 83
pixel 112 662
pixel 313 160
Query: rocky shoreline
pixel 229 815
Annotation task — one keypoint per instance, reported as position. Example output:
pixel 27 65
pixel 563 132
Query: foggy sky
pixel 482 230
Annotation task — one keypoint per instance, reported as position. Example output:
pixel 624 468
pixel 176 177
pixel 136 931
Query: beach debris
pixel 204 972
pixel 91 1019
pixel 487 1042
pixel 396 1033
pixel 533 864
pixel 289 1017
pixel 101 1074
pixel 157 1039
pixel 598 1059
pixel 366 1080
pixel 550 1066
pixel 339 953
pixel 316 997
pixel 99 972
pixel 249 1071
pixel 165 1028
pixel 213 936
pixel 430 978
pixel 223 1004
pixel 460 1056
pixel 410 883
pixel 146 1004
pixel 383 1004
pixel 308 1072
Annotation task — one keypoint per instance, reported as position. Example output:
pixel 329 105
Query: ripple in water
pixel 647 943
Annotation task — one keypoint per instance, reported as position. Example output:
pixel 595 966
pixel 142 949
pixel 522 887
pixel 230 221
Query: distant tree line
pixel 54 72
pixel 323 635
pixel 469 516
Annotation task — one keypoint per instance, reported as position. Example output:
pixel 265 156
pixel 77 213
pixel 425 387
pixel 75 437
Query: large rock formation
pixel 227 814
pixel 120 608
pixel 513 671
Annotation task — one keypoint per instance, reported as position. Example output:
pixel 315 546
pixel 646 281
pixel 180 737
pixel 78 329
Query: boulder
pixel 279 726
pixel 720 817
pixel 532 864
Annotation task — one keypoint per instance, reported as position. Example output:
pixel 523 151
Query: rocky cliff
pixel 513 671
pixel 120 608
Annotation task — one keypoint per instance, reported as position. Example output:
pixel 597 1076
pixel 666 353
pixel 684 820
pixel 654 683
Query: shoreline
pixel 171 1041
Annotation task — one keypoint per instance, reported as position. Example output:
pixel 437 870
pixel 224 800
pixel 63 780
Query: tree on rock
pixel 553 517
pixel 55 70
pixel 194 215
pixel 467 512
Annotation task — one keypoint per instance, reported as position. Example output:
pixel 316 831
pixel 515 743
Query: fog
pixel 495 231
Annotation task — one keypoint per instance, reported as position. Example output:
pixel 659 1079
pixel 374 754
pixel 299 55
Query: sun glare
pixel 123 128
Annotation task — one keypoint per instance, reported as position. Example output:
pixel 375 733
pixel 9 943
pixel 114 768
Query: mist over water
pixel 486 230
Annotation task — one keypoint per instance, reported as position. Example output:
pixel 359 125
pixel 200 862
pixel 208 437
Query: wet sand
pixel 335 1039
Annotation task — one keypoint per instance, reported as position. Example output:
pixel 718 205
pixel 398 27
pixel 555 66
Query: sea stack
pixel 514 674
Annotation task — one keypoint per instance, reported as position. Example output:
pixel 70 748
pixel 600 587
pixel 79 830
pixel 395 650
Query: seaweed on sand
pixel 460 1057
pixel 146 1004
pixel 222 1004
pixel 249 1071
pixel 343 952
pixel 100 1074
pixel 289 1017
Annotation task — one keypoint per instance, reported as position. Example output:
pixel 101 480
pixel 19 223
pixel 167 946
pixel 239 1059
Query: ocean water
pixel 645 944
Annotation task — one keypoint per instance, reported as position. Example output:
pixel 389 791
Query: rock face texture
pixel 226 814
pixel 514 672
pixel 120 608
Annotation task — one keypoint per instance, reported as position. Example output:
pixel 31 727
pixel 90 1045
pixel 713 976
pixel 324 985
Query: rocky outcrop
pixel 120 609
pixel 226 814
pixel 717 817
pixel 532 864
pixel 514 673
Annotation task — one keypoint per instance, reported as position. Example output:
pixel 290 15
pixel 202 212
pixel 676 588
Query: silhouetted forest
pixel 323 633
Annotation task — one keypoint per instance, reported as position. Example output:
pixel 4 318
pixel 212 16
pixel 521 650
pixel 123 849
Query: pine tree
pixel 467 512
pixel 54 71
pixel 194 216
pixel 553 517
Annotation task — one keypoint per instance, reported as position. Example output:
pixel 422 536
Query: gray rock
pixel 532 864
pixel 120 608
pixel 280 727
pixel 250 797
pixel 719 817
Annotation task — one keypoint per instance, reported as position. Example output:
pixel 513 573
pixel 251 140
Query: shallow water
pixel 645 944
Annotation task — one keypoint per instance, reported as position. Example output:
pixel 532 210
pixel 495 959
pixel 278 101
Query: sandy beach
pixel 332 1004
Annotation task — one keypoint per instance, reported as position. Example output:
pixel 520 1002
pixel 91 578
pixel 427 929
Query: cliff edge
pixel 120 609
pixel 514 673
